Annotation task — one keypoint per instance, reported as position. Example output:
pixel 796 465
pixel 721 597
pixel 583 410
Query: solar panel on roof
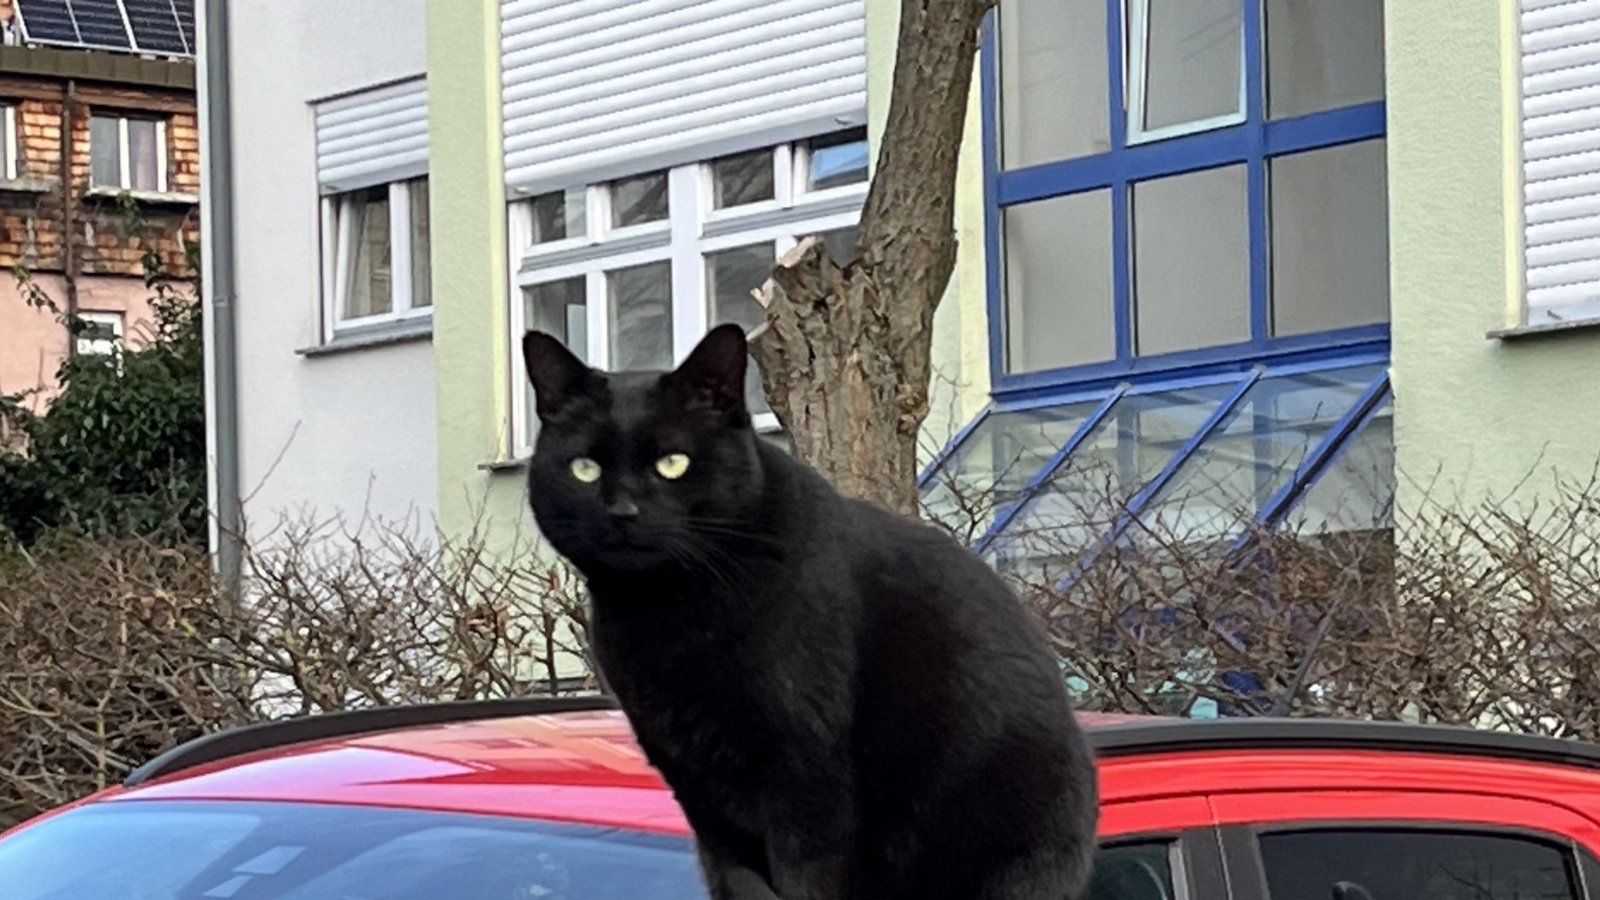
pixel 48 22
pixel 156 26
pixel 100 23
pixel 186 23
pixel 161 27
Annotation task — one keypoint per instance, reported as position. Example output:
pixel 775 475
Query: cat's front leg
pixel 727 878
pixel 728 856
pixel 812 855
pixel 805 868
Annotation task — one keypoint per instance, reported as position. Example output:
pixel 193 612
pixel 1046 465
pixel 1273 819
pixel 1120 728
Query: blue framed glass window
pixel 1041 488
pixel 1182 185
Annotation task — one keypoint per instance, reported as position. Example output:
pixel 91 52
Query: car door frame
pixel 1243 817
pixel 1188 824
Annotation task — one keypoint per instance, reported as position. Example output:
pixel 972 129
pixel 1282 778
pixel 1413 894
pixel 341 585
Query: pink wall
pixel 33 344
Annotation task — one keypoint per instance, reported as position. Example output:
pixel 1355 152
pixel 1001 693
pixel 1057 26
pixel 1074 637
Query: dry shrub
pixel 1482 613
pixel 117 650
pixel 96 680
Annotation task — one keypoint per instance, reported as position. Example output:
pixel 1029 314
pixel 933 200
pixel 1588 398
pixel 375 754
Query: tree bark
pixel 846 355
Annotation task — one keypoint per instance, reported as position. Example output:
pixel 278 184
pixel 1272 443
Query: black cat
pixel 847 704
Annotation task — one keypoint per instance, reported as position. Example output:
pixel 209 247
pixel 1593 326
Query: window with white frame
pixel 377 255
pixel 631 273
pixel 100 334
pixel 127 152
pixel 8 141
pixel 1560 169
pixel 372 168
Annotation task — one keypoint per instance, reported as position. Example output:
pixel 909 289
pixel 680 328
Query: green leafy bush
pixel 121 450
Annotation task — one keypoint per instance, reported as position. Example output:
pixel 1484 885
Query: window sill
pixel 28 185
pixel 540 258
pixel 384 335
pixel 734 221
pixel 1544 329
pixel 152 198
pixel 502 466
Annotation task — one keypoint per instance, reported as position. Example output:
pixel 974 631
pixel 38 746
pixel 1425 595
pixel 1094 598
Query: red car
pixel 552 799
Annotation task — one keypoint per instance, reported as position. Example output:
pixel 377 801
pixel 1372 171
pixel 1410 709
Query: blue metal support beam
pixel 951 447
pixel 1320 458
pixel 1343 430
pixel 1153 489
pixel 1045 474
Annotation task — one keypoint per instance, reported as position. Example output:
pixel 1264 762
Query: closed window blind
pixel 373 137
pixel 627 86
pixel 1561 158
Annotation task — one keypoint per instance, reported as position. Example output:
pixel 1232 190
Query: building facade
pixel 331 222
pixel 620 178
pixel 1259 264
pixel 1185 268
pixel 1494 160
pixel 635 176
pixel 89 123
pixel 1227 264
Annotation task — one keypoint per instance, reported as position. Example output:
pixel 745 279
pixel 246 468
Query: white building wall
pixel 353 432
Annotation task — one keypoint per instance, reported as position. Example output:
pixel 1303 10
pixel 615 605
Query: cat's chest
pixel 671 658
pixel 701 693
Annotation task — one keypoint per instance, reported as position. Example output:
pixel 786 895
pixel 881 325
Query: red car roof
pixel 582 765
pixel 574 767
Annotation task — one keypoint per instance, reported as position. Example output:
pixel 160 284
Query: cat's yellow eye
pixel 672 466
pixel 585 470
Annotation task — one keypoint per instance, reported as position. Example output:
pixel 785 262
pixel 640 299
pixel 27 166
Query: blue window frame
pixel 1251 139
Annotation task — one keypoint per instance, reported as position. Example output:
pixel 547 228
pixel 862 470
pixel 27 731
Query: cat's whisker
pixel 743 535
pixel 717 568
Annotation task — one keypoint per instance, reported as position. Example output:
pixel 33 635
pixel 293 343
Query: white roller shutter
pixel 596 89
pixel 1561 158
pixel 373 137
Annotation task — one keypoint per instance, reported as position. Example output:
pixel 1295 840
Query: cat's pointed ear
pixel 712 377
pixel 557 375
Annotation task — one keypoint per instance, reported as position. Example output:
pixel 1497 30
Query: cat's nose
pixel 623 510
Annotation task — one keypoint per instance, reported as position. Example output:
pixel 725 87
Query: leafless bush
pixel 1482 613
pixel 115 651
pixel 96 677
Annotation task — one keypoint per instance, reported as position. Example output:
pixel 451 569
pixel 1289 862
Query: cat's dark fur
pixel 847 704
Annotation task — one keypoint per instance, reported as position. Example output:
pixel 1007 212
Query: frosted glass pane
pixel 641 317
pixel 1330 239
pixel 1058 283
pixel 1054 81
pixel 1323 55
pixel 1191 253
pixel 1194 61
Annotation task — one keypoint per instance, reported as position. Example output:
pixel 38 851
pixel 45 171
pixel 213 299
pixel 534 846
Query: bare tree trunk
pixel 846 356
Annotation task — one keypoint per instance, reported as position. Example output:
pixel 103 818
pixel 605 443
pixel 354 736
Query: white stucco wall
pixel 351 433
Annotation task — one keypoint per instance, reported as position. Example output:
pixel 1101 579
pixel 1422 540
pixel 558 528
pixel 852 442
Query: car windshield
pixel 149 850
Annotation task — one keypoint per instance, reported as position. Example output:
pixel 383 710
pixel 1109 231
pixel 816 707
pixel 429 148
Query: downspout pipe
pixel 70 264
pixel 221 290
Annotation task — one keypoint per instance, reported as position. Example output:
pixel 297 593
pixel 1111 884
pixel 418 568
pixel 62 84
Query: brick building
pixel 87 127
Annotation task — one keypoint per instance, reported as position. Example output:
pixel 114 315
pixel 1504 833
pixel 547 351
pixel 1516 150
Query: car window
pixel 155 850
pixel 1133 872
pixel 144 856
pixel 1415 865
